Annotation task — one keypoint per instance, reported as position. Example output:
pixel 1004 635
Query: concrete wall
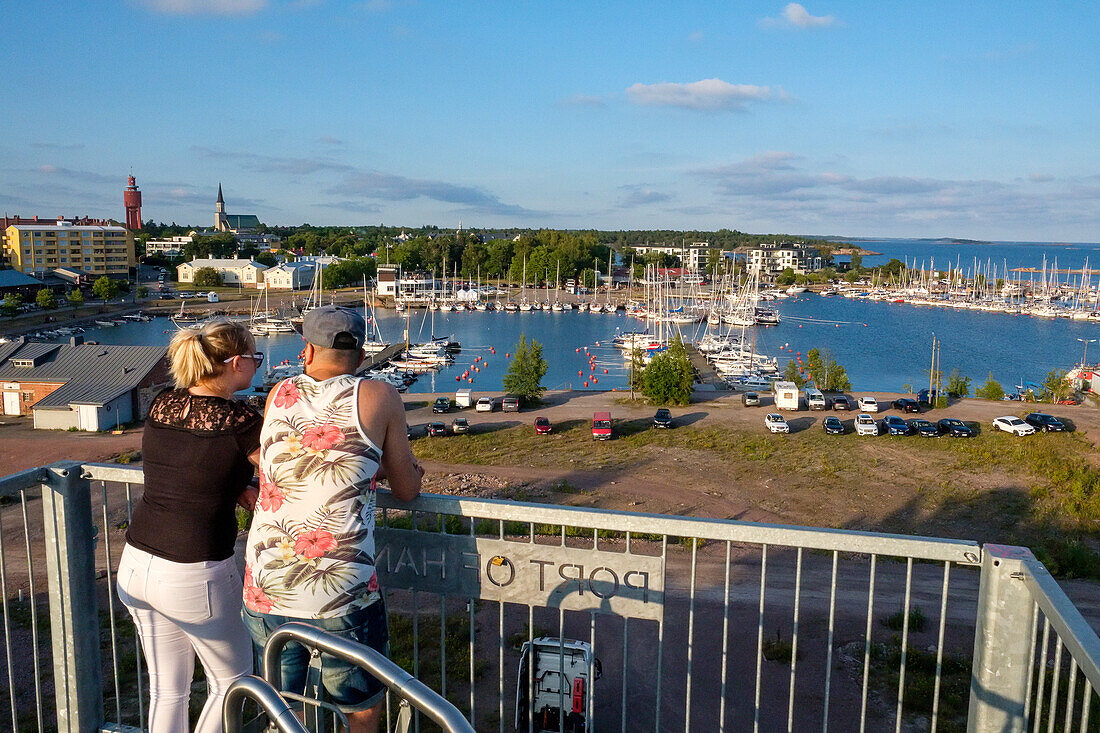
pixel 62 419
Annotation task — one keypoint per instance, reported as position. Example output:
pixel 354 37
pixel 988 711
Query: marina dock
pixel 703 369
pixel 382 356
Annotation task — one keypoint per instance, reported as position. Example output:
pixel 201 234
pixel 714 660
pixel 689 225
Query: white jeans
pixel 180 610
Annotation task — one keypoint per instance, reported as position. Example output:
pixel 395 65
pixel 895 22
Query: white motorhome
pixel 786 395
pixel 563 671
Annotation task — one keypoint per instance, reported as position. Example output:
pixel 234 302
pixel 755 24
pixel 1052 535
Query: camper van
pixel 815 400
pixel 563 671
pixel 786 395
pixel 601 426
pixel 464 398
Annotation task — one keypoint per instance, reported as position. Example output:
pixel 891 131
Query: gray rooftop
pixel 15 279
pixel 92 374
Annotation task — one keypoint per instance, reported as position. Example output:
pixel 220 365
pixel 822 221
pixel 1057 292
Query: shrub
pixel 958 385
pixel 991 390
pixel 207 277
pixel 668 380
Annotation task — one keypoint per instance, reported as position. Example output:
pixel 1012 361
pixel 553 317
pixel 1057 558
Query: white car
pixel 866 425
pixel 868 404
pixel 774 422
pixel 485 404
pixel 1011 424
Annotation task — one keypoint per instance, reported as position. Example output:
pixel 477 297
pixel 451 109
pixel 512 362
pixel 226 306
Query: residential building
pixel 78 385
pixel 6 221
pixel 171 247
pixel 36 249
pixel 693 256
pixel 411 285
pixel 773 258
pixel 290 276
pixel 234 271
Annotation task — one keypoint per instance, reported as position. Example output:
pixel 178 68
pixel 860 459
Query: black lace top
pixel 195 452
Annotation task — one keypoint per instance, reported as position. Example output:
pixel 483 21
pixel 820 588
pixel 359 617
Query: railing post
pixel 1002 643
pixel 74 617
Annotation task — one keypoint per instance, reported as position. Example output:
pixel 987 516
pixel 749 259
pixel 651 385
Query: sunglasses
pixel 258 357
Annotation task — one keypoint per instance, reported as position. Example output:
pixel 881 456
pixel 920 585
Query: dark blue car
pixel 1046 423
pixel 924 428
pixel 955 428
pixel 894 425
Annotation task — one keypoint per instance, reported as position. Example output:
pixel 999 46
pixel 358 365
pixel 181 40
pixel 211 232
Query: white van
pixel 539 702
pixel 815 400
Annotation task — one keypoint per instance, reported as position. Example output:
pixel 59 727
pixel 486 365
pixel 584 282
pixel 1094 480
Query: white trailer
pixel 464 398
pixel 786 395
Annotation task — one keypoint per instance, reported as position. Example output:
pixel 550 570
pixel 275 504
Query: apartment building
pixel 38 248
pixel 774 258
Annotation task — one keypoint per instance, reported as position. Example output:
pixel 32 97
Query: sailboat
pixel 524 304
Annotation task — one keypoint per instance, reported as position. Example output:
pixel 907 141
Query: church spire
pixel 220 199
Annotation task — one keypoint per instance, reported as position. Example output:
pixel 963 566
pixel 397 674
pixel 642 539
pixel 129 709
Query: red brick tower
pixel 131 197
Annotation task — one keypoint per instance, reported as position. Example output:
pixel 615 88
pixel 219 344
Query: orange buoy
pixel 594 380
pixel 457 378
pixel 578 350
pixel 507 355
pixel 838 325
pixel 580 373
pixel 586 384
pixel 605 371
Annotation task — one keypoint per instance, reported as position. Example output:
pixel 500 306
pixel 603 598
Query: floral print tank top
pixel 310 551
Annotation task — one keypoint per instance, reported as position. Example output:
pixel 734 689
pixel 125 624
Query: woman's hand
pixel 248 497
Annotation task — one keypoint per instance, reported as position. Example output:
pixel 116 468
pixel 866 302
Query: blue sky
pixel 978 120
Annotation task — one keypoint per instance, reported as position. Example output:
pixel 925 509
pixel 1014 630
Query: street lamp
pixel 1084 357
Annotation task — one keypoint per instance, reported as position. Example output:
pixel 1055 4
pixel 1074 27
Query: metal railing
pixel 704 624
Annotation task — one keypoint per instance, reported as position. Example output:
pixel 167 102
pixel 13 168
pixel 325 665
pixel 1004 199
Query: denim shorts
pixel 349 687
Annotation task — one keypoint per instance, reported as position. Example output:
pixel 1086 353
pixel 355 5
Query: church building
pixel 235 223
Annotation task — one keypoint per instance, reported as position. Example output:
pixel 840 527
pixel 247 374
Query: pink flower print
pixel 248 582
pixel 287 394
pixel 321 437
pixel 314 544
pixel 271 498
pixel 256 600
pixel 372 584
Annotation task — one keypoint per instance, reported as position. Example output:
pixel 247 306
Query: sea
pixel 882 346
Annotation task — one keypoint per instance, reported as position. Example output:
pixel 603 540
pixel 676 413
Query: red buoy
pixel 605 371
pixel 586 384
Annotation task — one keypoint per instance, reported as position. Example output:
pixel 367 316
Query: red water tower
pixel 131 198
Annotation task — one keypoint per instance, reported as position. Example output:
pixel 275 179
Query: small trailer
pixel 563 671
pixel 786 396
pixel 464 398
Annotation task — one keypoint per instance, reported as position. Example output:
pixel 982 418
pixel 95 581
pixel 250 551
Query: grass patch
pixel 778 649
pixel 896 620
pixel 920 683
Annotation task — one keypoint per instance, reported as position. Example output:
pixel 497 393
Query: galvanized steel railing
pixel 700 624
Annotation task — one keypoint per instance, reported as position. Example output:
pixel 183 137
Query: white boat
pixel 107 324
pixel 796 289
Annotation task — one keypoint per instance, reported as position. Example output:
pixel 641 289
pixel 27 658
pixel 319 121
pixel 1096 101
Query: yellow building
pixel 36 249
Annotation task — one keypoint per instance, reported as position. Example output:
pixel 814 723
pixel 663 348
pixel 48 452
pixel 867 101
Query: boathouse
pixel 82 386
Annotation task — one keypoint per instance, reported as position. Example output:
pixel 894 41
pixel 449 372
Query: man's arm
pixel 382 415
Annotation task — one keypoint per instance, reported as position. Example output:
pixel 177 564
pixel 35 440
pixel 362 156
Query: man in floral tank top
pixel 327 437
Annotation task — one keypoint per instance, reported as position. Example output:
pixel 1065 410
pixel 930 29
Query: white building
pixel 234 271
pixel 289 276
pixel 692 256
pixel 774 258
pixel 171 247
pixel 412 286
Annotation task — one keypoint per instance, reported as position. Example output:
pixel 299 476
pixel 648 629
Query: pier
pixel 703 369
pixel 381 357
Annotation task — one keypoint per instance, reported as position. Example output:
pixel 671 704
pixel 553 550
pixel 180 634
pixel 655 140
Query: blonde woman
pixel 177 576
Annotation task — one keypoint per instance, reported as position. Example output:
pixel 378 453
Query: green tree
pixel 525 372
pixel 958 385
pixel 207 277
pixel 216 245
pixel 851 276
pixel 46 299
pixel 669 378
pixel 637 369
pixel 824 371
pixel 104 288
pixel 349 273
pixel 792 374
pixel 787 277
pixel 142 291
pixel 266 258
pixel 991 390
pixel 857 262
pixel 9 306
pixel 75 298
pixel 1056 387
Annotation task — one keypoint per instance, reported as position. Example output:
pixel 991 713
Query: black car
pixel 832 425
pixel 906 404
pixel 441 404
pixel 894 425
pixel 924 428
pixel 460 425
pixel 841 402
pixel 663 419
pixel 437 428
pixel 955 428
pixel 1046 423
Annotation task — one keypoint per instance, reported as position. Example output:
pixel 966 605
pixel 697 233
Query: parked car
pixel 1015 425
pixel 663 419
pixel 868 404
pixel 906 404
pixel 510 403
pixel 841 402
pixel 927 397
pixel 436 428
pixel 832 425
pixel 408 431
pixel 750 399
pixel 441 404
pixel 542 426
pixel 1044 422
pixel 460 425
pixel 866 425
pixel 775 422
pixel 924 428
pixel 955 428
pixel 484 404
pixel 894 425
pixel 601 426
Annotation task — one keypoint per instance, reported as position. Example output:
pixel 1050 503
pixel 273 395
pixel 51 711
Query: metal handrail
pixel 255 688
pixel 396 679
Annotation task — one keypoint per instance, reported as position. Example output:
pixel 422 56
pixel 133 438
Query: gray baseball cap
pixel 333 327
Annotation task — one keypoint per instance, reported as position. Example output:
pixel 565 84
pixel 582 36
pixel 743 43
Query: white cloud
pixel 707 94
pixel 795 15
pixel 204 7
